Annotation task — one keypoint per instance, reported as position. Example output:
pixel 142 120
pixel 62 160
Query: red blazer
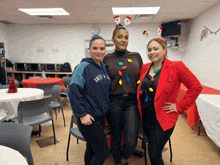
pixel 173 73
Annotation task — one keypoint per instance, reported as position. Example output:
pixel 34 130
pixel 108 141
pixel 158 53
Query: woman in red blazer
pixel 158 88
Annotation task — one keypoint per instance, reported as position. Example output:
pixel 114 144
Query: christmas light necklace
pixel 123 68
pixel 150 89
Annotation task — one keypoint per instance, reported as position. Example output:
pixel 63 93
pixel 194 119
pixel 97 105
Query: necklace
pixel 150 89
pixel 149 93
pixel 123 68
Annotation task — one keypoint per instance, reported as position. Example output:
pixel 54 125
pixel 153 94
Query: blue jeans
pixel 123 117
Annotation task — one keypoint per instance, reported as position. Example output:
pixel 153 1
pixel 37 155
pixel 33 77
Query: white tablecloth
pixel 9 101
pixel 9 156
pixel 2 114
pixel 209 111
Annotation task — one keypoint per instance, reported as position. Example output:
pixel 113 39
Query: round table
pixel 9 101
pixel 2 114
pixel 9 156
pixel 32 83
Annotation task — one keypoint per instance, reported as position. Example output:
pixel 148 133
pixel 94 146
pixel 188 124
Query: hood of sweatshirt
pixel 91 61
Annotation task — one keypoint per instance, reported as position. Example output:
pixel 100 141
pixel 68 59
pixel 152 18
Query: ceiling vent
pixel 45 17
pixel 144 16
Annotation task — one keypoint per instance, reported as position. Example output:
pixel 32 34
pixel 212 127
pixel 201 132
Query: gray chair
pixel 17 136
pixel 4 86
pixel 47 88
pixel 77 134
pixel 33 77
pixel 143 137
pixel 17 83
pixel 56 100
pixel 34 113
pixel 66 81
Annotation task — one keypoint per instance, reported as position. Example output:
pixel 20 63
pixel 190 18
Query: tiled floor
pixel 188 148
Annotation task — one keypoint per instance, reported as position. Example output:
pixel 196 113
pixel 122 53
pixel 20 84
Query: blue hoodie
pixel 89 89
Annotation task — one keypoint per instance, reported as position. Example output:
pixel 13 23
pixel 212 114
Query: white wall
pixel 65 43
pixel 203 57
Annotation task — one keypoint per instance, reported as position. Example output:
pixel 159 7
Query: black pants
pixel 157 138
pixel 123 117
pixel 97 149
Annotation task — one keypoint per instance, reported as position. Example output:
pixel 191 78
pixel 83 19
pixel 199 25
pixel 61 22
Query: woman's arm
pixel 75 93
pixel 76 96
pixel 192 83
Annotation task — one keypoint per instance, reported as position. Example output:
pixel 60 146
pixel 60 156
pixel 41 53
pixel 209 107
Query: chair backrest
pixel 4 86
pixel 33 77
pixel 17 136
pixel 66 80
pixel 56 92
pixel 73 121
pixel 33 108
pixel 47 87
pixel 17 83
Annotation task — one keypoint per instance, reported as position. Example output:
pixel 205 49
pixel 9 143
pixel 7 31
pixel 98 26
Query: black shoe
pixel 126 163
pixel 138 153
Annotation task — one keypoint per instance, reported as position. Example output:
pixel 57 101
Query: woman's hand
pixel 171 107
pixel 87 120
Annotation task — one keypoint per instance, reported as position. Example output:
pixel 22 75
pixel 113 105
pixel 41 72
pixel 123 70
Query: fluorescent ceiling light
pixel 134 10
pixel 44 11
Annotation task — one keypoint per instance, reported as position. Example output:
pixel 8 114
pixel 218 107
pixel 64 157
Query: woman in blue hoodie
pixel 89 98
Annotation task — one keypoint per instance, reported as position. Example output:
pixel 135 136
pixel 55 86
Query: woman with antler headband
pixel 158 88
pixel 123 117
